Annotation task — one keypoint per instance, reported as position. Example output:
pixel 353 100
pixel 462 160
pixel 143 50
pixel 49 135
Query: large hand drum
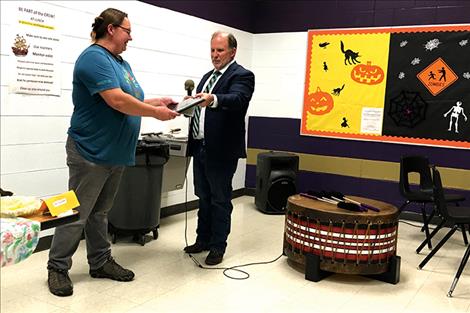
pixel 345 241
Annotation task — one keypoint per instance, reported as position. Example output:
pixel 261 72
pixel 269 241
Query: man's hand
pixel 208 99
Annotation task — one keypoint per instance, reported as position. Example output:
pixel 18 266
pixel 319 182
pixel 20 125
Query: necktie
pixel 197 112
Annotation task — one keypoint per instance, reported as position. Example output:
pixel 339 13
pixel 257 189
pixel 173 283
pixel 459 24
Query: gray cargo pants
pixel 96 187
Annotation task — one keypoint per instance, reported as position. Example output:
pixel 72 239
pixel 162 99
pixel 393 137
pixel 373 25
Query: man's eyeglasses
pixel 127 30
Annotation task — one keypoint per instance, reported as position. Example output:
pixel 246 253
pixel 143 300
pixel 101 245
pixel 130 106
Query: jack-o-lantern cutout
pixel 320 102
pixel 367 74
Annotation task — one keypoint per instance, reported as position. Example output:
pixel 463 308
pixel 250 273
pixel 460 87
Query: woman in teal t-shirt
pixel 108 103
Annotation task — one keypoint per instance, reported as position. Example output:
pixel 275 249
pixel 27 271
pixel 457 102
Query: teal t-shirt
pixel 102 134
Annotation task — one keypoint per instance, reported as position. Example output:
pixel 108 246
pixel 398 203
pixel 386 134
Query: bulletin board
pixel 394 84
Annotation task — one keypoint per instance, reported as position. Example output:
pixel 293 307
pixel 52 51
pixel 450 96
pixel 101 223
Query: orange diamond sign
pixel 437 76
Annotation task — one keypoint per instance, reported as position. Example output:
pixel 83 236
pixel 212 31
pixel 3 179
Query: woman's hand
pixel 164 114
pixel 163 101
pixel 167 101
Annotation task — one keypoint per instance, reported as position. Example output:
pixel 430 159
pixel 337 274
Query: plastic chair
pixel 422 194
pixel 459 271
pixel 458 217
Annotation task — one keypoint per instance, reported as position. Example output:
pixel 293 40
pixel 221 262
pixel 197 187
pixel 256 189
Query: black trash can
pixel 137 206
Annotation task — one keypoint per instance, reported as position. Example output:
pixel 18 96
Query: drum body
pixel 346 242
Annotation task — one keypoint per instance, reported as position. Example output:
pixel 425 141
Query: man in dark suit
pixel 216 142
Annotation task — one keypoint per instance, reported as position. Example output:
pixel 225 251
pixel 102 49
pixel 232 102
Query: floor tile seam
pixel 418 290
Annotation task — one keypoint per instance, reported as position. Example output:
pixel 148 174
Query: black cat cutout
pixel 5 193
pixel 337 91
pixel 350 56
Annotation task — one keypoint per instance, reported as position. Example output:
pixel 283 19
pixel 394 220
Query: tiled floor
pixel 168 281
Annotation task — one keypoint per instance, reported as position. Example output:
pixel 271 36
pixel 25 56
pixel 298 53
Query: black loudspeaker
pixel 276 175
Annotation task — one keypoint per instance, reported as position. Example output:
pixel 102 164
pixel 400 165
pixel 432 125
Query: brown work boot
pixel 113 271
pixel 59 282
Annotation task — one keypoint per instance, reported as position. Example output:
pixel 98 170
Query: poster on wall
pixel 34 50
pixel 396 84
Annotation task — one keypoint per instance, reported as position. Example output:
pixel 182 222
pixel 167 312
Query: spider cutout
pixel 408 109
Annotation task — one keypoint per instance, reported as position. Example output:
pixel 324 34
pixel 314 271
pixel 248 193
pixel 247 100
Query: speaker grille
pixel 278 193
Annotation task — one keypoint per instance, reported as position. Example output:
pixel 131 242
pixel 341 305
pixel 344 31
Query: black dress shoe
pixel 214 257
pixel 197 247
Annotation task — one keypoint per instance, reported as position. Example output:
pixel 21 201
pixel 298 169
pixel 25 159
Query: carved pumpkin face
pixel 320 102
pixel 367 74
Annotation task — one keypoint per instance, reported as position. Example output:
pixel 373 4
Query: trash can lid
pixel 153 137
pixel 161 149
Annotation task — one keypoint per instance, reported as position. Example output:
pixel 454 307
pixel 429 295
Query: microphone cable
pixel 226 270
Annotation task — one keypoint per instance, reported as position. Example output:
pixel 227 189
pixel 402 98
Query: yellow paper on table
pixel 61 203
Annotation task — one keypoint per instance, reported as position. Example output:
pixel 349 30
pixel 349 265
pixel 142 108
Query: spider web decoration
pixel 408 109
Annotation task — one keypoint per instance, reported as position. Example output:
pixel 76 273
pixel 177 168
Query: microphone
pixel 189 86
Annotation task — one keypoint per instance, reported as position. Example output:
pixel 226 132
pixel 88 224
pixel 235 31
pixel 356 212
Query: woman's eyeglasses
pixel 127 30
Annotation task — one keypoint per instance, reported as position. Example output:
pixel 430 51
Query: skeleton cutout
pixel 454 116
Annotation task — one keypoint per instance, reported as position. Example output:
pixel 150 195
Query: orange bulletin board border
pixel 372 137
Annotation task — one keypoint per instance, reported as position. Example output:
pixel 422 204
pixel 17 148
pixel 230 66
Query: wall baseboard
pixel 250 192
pixel 45 242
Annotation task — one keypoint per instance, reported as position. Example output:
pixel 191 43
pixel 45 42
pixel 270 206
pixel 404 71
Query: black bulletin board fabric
pixel 410 109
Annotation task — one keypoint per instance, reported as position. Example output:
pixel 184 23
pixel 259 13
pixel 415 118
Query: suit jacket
pixel 224 126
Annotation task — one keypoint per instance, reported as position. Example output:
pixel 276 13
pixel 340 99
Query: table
pixel 20 235
pixel 47 221
pixel 321 239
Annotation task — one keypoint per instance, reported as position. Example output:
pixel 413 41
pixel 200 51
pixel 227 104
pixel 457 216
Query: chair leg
pixel 439 245
pixel 425 241
pixel 426 228
pixel 429 219
pixel 464 234
pixel 459 271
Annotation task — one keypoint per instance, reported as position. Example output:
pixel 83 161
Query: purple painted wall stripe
pixel 284 134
